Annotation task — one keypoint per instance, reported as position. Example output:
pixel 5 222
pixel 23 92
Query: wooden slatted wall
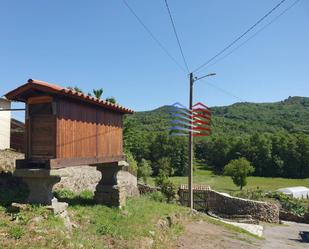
pixel 87 131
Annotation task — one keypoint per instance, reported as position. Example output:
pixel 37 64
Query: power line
pixel 241 36
pixel 224 91
pixel 256 33
pixel 176 35
pixel 152 35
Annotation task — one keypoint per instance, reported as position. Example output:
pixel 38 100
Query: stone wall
pixel 129 181
pixel 81 178
pixel 146 189
pixel 263 211
pixel 288 216
pixel 210 200
pixel 78 179
pixel 8 159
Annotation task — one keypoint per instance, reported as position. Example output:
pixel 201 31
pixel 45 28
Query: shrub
pixel 132 163
pixel 238 170
pixel 144 170
pixel 157 196
pixel 288 203
pixel 168 188
pixel 294 205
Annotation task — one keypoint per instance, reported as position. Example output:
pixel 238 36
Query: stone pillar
pixel 110 190
pixel 40 183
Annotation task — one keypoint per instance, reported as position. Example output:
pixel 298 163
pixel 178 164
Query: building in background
pixel 5 124
pixel 17 135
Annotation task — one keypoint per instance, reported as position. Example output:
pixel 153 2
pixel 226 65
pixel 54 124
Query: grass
pixel 225 183
pixel 137 220
pixel 96 226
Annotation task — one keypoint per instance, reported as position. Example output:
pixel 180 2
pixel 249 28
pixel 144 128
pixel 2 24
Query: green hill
pixel 290 115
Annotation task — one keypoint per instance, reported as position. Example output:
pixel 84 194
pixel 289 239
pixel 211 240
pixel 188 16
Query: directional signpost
pixel 184 120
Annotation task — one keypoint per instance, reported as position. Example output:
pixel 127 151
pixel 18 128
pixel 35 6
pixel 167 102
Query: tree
pixel 164 165
pixel 111 100
pixel 238 170
pixel 98 93
pixel 144 170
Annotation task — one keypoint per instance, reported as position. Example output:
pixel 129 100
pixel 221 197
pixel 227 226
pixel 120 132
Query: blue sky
pixel 94 44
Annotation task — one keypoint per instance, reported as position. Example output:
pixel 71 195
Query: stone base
pixel 109 190
pixel 110 195
pixel 40 183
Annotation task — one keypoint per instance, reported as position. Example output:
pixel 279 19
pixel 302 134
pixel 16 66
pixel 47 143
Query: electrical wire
pixel 224 91
pixel 176 35
pixel 241 36
pixel 152 35
pixel 255 34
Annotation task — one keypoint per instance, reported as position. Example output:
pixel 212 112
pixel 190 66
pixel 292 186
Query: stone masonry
pixel 40 183
pixel 110 190
pixel 223 204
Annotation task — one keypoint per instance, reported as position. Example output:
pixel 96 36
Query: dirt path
pixel 204 235
pixel 284 236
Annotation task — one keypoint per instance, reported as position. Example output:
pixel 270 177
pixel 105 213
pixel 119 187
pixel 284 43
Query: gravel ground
pixel 203 235
pixel 285 236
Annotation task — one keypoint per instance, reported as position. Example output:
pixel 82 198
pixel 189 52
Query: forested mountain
pixel 290 115
pixel 274 137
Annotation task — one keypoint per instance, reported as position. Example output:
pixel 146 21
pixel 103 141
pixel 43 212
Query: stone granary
pixel 68 128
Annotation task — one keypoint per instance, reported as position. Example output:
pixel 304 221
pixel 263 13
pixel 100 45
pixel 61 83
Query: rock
pixel 173 219
pixel 125 213
pixel 17 207
pixel 163 224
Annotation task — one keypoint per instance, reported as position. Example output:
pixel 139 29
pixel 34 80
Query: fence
pixel 199 196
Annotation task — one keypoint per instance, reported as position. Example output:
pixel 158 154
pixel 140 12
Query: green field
pixel 225 183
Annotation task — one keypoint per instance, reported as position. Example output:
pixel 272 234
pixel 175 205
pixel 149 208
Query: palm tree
pixel 98 93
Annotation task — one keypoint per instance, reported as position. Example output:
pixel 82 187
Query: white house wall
pixel 5 124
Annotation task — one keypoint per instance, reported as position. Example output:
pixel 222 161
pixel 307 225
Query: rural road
pixel 203 235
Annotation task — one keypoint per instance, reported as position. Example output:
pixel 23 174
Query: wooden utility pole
pixel 190 164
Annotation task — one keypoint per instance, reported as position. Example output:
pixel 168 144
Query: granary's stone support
pixel 110 189
pixel 40 183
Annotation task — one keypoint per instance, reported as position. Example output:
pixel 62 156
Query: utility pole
pixel 190 165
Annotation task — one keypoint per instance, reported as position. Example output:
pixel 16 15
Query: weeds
pixel 16 232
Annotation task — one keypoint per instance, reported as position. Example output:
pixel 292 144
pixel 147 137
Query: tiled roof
pixel 58 90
